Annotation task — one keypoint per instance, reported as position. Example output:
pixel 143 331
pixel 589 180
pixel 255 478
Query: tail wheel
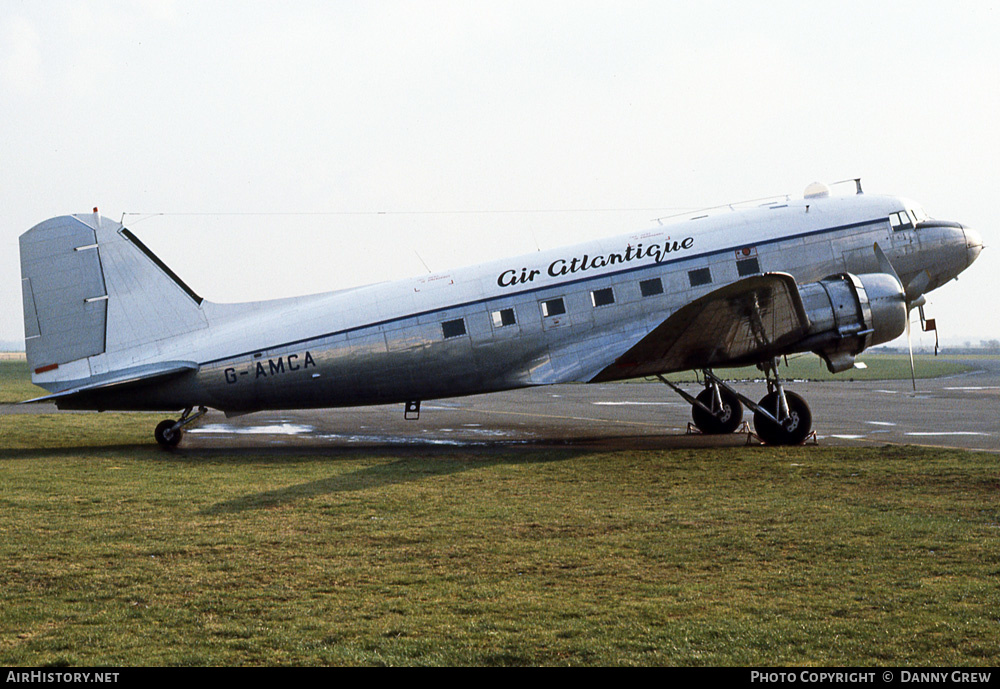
pixel 164 437
pixel 792 429
pixel 724 420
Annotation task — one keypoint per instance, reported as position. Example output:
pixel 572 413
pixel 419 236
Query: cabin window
pixel 702 276
pixel 650 288
pixel 748 266
pixel 553 307
pixel 602 297
pixel 503 317
pixel 455 328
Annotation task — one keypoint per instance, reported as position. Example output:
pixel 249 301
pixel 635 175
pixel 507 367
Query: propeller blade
pixel 913 294
pixel 884 265
pixel 915 289
pixel 917 286
pixel 909 346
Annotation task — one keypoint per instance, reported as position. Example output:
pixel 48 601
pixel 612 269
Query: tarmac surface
pixel 961 411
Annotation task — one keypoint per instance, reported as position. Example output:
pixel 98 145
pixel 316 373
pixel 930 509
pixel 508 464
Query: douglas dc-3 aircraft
pixel 109 326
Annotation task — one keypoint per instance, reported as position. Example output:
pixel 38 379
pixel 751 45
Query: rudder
pixel 63 292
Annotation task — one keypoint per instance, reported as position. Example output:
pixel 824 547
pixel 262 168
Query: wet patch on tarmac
pixel 469 435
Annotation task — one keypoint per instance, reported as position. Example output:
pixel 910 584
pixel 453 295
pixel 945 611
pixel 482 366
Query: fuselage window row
pixel 502 318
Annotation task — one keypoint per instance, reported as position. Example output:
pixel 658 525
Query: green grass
pixel 116 553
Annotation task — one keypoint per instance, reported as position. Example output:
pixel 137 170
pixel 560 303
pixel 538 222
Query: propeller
pixel 909 348
pixel 913 294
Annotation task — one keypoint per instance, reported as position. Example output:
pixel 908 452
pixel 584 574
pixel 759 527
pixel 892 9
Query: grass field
pixel 115 553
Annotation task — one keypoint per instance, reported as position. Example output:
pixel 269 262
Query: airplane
pixel 108 326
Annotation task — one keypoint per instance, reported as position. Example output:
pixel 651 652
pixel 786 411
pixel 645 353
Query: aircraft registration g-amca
pixel 109 327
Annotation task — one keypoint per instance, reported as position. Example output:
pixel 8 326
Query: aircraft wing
pixel 741 323
pixel 139 374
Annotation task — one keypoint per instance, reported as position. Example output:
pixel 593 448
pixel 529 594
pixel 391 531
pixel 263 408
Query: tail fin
pixel 96 300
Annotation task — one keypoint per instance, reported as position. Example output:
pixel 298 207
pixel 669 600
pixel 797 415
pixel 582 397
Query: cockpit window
pixel 919 215
pixel 901 221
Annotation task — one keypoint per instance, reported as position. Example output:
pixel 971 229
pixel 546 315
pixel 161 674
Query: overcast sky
pixel 271 149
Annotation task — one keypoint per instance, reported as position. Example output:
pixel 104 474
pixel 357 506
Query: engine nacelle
pixel 849 313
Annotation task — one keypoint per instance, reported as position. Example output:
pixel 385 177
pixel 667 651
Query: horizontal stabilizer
pixel 139 374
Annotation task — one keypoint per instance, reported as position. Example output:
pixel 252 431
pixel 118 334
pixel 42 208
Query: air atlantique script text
pixel 564 266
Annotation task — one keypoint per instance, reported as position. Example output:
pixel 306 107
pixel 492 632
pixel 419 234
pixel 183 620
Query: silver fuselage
pixel 494 326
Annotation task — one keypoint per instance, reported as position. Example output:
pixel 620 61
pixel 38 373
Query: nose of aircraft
pixel 973 243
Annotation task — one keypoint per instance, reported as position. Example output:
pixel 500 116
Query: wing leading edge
pixel 741 323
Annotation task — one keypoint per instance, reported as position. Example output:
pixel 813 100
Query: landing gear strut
pixel 779 418
pixel 168 432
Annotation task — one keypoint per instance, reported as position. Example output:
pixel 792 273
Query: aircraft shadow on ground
pixel 396 464
pixel 395 472
pixel 420 462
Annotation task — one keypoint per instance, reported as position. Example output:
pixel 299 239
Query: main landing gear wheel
pixel 724 420
pixel 164 436
pixel 792 428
